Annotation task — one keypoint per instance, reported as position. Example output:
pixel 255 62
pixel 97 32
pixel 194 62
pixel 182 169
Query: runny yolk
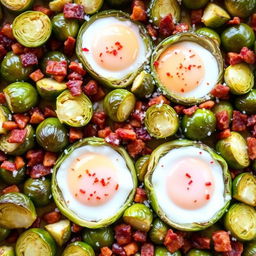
pixel 115 48
pixel 190 184
pixel 180 68
pixel 92 179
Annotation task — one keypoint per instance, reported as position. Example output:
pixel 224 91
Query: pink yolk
pixel 115 48
pixel 190 185
pixel 92 179
pixel 180 69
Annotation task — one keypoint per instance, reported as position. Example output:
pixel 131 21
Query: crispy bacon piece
pixel 9 125
pixel 17 48
pixel 223 134
pixel 91 88
pixel 59 79
pixel 38 51
pixel 106 251
pixel 248 55
pixel 77 67
pixel 49 112
pixel 35 156
pixel 75 134
pixel 104 132
pixel 123 234
pixel 221 241
pixel 73 11
pixel 158 100
pixel 69 46
pixel 140 195
pixel 222 120
pixel 90 131
pixel 234 58
pixel 75 87
pixel 49 159
pixel 166 26
pixel 99 118
pixel 52 217
pixel 2 98
pixel 19 162
pixel 37 116
pixel 126 134
pixel 56 68
pixel 118 250
pixel 36 75
pixel 6 30
pixel 36 223
pixel 5 41
pixel 234 21
pixel 239 121
pixel 113 139
pixel 251 143
pixel 251 121
pixel 11 189
pixel 152 31
pixel 220 91
pixel 131 248
pixel 135 147
pixel 207 105
pixel 139 11
pixel 75 76
pixel 237 249
pixel 43 9
pixel 2 51
pixel 190 111
pixel 38 171
pixel 17 136
pixel 75 228
pixel 142 134
pixel 181 27
pixel 201 242
pixel 8 166
pixel 99 95
pixel 147 249
pixel 139 236
pixel 179 109
pixel 196 16
pixel 173 241
pixel 55 44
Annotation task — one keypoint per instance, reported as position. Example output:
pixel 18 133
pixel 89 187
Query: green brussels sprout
pixel 190 4
pixel 38 190
pixel 161 121
pixel 7 251
pixel 200 125
pixel 32 28
pixel 16 211
pixel 209 231
pixel 98 238
pixel 118 3
pixel 139 217
pixel 78 248
pixel 247 102
pixel 158 231
pixel 244 188
pixel 196 252
pixel 210 33
pixel 162 251
pixel 240 220
pixel 161 8
pixel 250 249
pixel 90 6
pixel 52 135
pixel 75 111
pixel 20 97
pixel 4 232
pixel 15 177
pixel 118 104
pixel 4 116
pixel 239 78
pixel 63 28
pixel 12 69
pixel 234 150
pixel 141 166
pixel 58 5
pixel 224 106
pixel 240 8
pixel 236 37
pixel 214 16
pixel 35 241
pixel 17 5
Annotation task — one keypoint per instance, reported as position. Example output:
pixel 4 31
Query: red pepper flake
pixel 188 175
pixel 182 90
pixel 96 180
pixel 195 201
pixel 85 49
pixel 190 182
pixel 76 195
pixel 91 195
pixel 199 66
pixel 212 162
pixel 207 197
pixel 208 184
pixel 98 198
pixel 105 194
pixel 156 63
pixel 79 176
pixel 81 191
pixel 200 152
pixel 168 74
pixel 103 183
pixel 192 56
pixel 108 178
pixel 117 186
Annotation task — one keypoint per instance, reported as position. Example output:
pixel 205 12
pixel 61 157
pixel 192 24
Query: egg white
pixel 175 213
pixel 110 208
pixel 88 40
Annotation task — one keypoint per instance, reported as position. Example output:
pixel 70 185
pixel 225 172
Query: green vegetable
pixel 118 104
pixel 58 5
pixel 78 249
pixel 158 231
pixel 36 242
pixel 235 37
pixel 240 220
pixel 161 121
pixel 141 166
pixel 4 232
pixel 244 188
pixel 224 106
pixel 38 190
pixel 143 85
pixel 196 252
pixel 194 4
pixel 12 69
pixel 247 102
pixel 209 231
pixel 60 231
pixel 16 211
pixel 234 150
pixel 62 28
pixel 239 78
pixel 162 251
pixel 20 97
pixel 118 3
pixel 210 33
pixel 139 217
pixel 98 238
pixel 15 177
pixel 32 28
pixel 90 6
pixel 17 5
pixel 52 135
pixel 75 111
pixel 240 8
pixel 214 16
pixel 161 8
pixel 4 116
pixel 250 249
pixel 6 251
pixel 200 125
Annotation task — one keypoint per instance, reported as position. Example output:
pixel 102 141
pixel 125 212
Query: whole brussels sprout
pixel 240 8
pixel 158 231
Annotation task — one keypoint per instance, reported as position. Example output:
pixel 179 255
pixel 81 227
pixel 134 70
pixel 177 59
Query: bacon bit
pixel 9 125
pixel 220 91
pixel 166 25
pixel 6 30
pixel 202 243
pixel 50 159
pixel 74 76
pixel 39 171
pixel 179 109
pixel 59 79
pixel 118 250
pixel 233 58
pixel 36 75
pixel 173 241
pixel 19 162
pixel 251 143
pixel 75 87
pixel 208 184
pixel 99 118
pixel 147 249
pixel 56 68
pixel 2 98
pixel 52 217
pixel 207 105
pixel 126 134
pixel 90 131
pixel 77 67
pixel 35 156
pixel 17 48
pixel 196 16
pixel 28 59
pixel 17 136
pixel 43 9
pixel 253 21
pixel 239 121
pixel 207 197
pixel 8 166
pixel 140 195
pixel 37 116
pixel 76 228
pixel 104 132
pixel 152 31
pixel 222 120
pixel 158 100
pixel 105 251
pixel 11 189
pixel 85 49
pixel 248 55
pixel 82 191
pixel 55 44
pixel 234 21
pixel 181 27
pixel 38 51
pixel 49 112
pixel 113 139
pixel 237 249
pixel 136 147
pixel 131 248
pixel 75 134
pixel 190 111
pixel 69 46
pixel 140 236
pixel 91 88
pixel 139 11
pixel 221 241
pixel 117 186
pixel 99 95
pixel 224 134
pixel 73 11
pixel 123 234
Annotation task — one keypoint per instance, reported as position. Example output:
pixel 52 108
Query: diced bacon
pixel 38 51
pixel 126 134
pixel 2 98
pixel 158 100
pixel 39 171
pixel 36 116
pixel 207 105
pixel 237 249
pixel 73 11
pixel 234 58
pixel 190 111
pixel 234 21
pixel 186 246
pixel 6 42
pixel 104 132
pixel 75 228
pixel 140 195
pixel 35 156
pixel 52 217
pixel 75 87
pixel 106 251
pixel 118 250
pixel 91 88
pixel 75 76
pixel 251 121
pixel 36 75
pixel 8 165
pixel 142 134
pixel 196 16
pixel 179 109
pixel 75 134
pixel 59 79
pixel 77 67
pixel 11 189
pixel 2 51
pixel 253 21
pixel 135 123
pixel 56 68
pixel 2 156
pixel 43 9
pixel 50 159
pixel 123 234
pixel 221 241
pixel 19 162
pixel 135 147
pixel 220 91
pixel 166 26
pixel 6 30
pixel 201 242
pixel 140 236
pixel 99 118
pixel 147 249
pixel 9 125
pixel 99 95
pixel 223 134
pixel 251 143
pixel 49 112
pixel 113 139
pixel 222 119
pixel 17 136
pixel 239 121
pixel 131 248
pixel 152 31
pixel 36 223
pixel 139 11
pixel 90 131
pixel 55 44
pixel 181 27
pixel 173 241
pixel 69 46
pixel 248 55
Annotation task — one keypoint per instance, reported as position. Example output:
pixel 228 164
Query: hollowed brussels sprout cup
pixel 107 80
pixel 203 41
pixel 17 5
pixel 58 196
pixel 160 152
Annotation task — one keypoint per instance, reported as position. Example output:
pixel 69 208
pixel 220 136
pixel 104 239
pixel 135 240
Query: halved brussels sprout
pixel 234 150
pixel 240 220
pixel 141 166
pixel 75 111
pixel 162 251
pixel 240 8
pixel 250 249
pixel 15 177
pixel 90 6
pixel 4 116
pixel 160 8
pixel 36 242
pixel 158 231
pixel 196 252
pixel 161 121
pixel 79 249
pixel 109 78
pixel 4 232
pixel 210 33
pixel 191 4
pixel 7 251
pixel 17 5
pixel 32 28
pixel 202 41
pixel 118 104
pixel 239 78
pixel 224 106
pixel 58 5
pixel 16 211
pixel 247 102
pixel 244 188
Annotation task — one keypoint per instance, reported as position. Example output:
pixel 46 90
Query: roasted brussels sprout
pixel 16 211
pixel 247 102
pixel 63 28
pixel 52 135
pixel 236 37
pixel 58 5
pixel 250 249
pixel 38 190
pixel 161 121
pixel 239 78
pixel 35 241
pixel 240 8
pixel 17 5
pixel 210 33
pixel 7 251
pixel 118 104
pixel 196 252
pixel 224 106
pixel 90 6
pixel 20 97
pixel 118 3
pixel 4 116
pixel 4 232
pixel 15 177
pixel 78 248
pixel 75 111
pixel 158 231
pixel 32 28
pixel 234 150
pixel 12 69
pixel 194 5
pixel 141 166
pixel 162 251
pixel 240 220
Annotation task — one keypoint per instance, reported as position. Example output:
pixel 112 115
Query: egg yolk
pixel 190 184
pixel 92 179
pixel 180 68
pixel 115 48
